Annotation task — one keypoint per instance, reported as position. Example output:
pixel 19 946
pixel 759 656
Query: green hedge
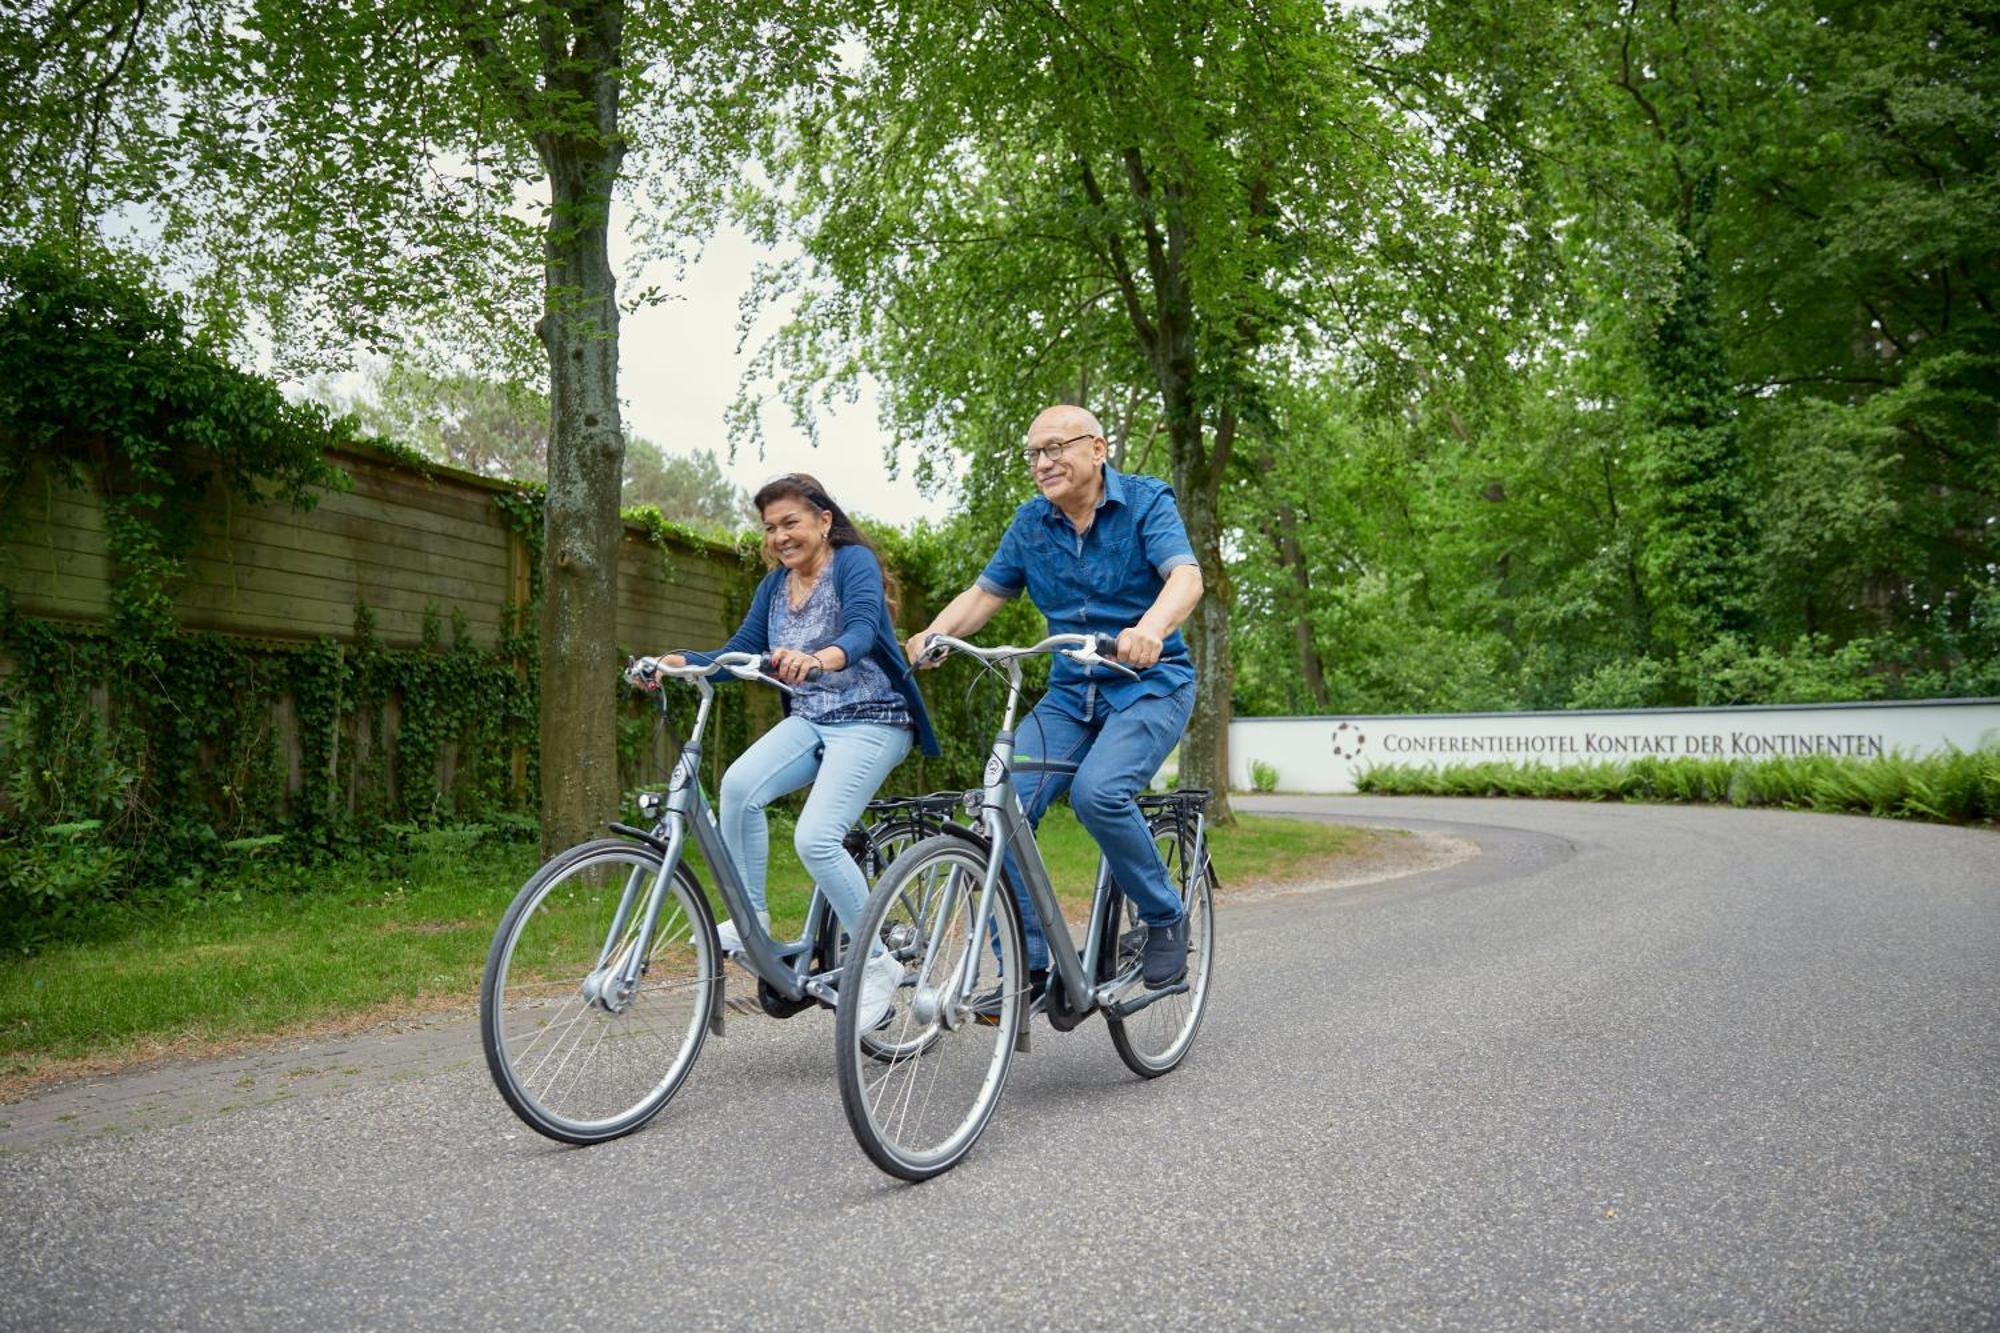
pixel 1956 787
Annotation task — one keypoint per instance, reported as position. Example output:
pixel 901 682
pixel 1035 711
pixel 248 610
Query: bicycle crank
pixel 1128 1007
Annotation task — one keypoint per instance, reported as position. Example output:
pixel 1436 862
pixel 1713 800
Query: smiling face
pixel 795 532
pixel 1070 476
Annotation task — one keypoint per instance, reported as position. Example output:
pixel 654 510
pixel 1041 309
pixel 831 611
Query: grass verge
pixel 1956 787
pixel 283 950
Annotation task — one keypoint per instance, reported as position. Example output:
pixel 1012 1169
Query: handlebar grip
pixel 1106 647
pixel 764 665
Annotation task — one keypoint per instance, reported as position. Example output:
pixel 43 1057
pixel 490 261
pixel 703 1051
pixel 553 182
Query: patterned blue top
pixel 860 691
pixel 1101 581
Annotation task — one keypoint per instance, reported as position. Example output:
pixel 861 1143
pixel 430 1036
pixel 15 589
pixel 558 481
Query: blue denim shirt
pixel 1101 581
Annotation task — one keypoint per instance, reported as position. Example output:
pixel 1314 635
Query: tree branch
pixel 476 29
pixel 1786 381
pixel 1114 253
pixel 1156 246
pixel 1882 327
pixel 100 105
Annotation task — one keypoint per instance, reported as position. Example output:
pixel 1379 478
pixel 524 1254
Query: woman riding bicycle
pixel 823 617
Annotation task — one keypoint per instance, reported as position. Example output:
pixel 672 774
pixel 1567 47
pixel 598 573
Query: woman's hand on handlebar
pixel 793 666
pixel 640 672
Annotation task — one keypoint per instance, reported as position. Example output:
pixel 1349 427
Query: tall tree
pixel 349 170
pixel 1012 202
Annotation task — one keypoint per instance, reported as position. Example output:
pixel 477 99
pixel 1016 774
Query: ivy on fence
pixel 134 756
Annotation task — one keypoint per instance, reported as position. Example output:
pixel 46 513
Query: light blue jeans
pixel 846 763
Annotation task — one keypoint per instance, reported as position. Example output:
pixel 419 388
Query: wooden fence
pixel 414 545
pixel 405 542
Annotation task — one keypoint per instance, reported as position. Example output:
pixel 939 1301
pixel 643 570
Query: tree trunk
pixel 1286 538
pixel 1698 555
pixel 582 529
pixel 1282 530
pixel 1198 483
pixel 1205 750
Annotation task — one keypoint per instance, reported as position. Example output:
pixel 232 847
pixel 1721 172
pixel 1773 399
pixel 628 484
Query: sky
pixel 679 368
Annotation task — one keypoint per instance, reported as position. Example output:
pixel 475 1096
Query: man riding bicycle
pixel 1099 552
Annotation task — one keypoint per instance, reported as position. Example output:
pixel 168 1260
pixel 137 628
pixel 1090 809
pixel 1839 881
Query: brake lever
pixel 1095 656
pixel 747 672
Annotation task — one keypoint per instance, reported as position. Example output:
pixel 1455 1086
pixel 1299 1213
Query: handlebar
pixel 645 672
pixel 1086 649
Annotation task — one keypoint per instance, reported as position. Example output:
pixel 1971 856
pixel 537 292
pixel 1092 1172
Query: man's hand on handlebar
pixel 1137 648
pixel 914 650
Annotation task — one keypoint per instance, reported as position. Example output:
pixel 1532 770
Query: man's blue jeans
pixel 1117 751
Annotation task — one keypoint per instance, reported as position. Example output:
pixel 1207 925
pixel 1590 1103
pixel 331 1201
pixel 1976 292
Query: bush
pixel 1263 776
pixel 1956 787
pixel 51 882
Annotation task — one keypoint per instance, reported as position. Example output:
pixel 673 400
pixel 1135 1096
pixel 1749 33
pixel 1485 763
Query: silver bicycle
pixel 605 976
pixel 919 1089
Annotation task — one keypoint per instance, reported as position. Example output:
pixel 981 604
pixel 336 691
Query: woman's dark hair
pixel 801 486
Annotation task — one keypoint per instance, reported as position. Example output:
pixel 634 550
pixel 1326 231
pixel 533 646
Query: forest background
pixel 1502 354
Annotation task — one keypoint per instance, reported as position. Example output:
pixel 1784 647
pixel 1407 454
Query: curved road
pixel 1633 1066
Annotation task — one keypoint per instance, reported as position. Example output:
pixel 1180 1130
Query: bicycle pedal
pixel 1125 1008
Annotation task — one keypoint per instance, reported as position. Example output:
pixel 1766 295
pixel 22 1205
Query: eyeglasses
pixel 1035 453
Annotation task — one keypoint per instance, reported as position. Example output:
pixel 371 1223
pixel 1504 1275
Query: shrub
pixel 1957 786
pixel 54 879
pixel 1263 776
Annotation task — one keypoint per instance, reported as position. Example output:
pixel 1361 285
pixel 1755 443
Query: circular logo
pixel 993 771
pixel 1347 741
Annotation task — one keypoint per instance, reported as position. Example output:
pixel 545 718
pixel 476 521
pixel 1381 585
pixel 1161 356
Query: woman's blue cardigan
pixel 865 628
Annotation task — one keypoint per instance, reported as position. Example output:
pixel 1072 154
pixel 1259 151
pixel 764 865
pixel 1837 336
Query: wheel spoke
pixel 569 1066
pixel 918 1093
pixel 1157 1038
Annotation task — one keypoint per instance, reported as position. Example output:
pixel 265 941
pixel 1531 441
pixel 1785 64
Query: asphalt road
pixel 1632 1067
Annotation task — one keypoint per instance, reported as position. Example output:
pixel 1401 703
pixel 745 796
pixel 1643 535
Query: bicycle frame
pixel 1007 830
pixel 785 968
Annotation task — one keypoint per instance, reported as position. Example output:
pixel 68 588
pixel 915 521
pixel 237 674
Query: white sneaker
pixel 879 982
pixel 731 938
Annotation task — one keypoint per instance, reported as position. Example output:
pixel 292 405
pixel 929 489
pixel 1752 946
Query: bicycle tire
pixel 907 1123
pixel 1156 1039
pixel 571 1068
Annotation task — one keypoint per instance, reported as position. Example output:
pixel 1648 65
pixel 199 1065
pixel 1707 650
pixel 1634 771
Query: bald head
pixel 1066 449
pixel 1064 420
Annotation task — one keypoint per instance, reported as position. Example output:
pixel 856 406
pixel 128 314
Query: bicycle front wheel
pixel 919 1088
pixel 1156 1039
pixel 576 1057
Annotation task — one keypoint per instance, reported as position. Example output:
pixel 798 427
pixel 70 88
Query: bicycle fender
pixel 640 835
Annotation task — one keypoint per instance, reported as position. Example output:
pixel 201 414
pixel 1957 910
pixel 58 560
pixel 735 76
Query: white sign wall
pixel 1323 754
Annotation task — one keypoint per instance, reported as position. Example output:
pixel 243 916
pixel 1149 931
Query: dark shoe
pixel 986 1008
pixel 1165 958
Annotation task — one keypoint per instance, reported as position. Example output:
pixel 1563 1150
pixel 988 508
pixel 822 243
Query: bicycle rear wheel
pixel 1156 1039
pixel 919 1089
pixel 575 1063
